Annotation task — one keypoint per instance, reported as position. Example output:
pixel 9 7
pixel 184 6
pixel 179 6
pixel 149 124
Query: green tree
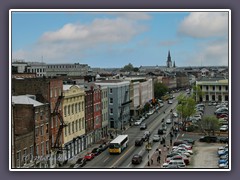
pixel 128 68
pixel 185 107
pixel 159 90
pixel 208 125
pixel 146 107
pixel 197 93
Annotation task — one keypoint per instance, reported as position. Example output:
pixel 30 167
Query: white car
pixel 175 115
pixel 224 128
pixel 137 122
pixel 170 102
pixel 168 121
pixel 183 150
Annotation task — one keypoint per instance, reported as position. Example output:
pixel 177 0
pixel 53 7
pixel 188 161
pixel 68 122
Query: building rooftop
pixel 25 99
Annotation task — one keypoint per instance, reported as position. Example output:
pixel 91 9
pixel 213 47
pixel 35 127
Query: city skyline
pixel 114 39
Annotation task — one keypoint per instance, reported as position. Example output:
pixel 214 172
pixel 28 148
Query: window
pixel 111 100
pixel 82 106
pixel 42 148
pixel 31 153
pixel 72 109
pixel 41 131
pixel 83 123
pixel 52 138
pixel 65 111
pixel 110 90
pixel 111 110
pixel 25 156
pixel 55 92
pixel 220 88
pixel 41 115
pixel 65 129
pixel 47 147
pixel 73 127
pixel 79 124
pixel 37 150
pixel 207 88
pixel 69 128
pixel 50 92
pixel 226 88
pixel 52 122
pixel 213 88
pixel 76 125
pixel 79 107
pixel 69 110
pixel 18 159
pixel 76 109
pixel 46 128
pixel 36 131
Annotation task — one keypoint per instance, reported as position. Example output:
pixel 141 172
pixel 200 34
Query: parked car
pixel 179 157
pixel 156 138
pixel 89 156
pixel 143 126
pixel 136 159
pixel 222 115
pixel 223 140
pixel 137 122
pixel 170 101
pixel 224 128
pixel 208 139
pixel 189 141
pixel 179 163
pixel 96 151
pixel 178 142
pixel 103 146
pixel 188 147
pixel 138 142
pixel 80 163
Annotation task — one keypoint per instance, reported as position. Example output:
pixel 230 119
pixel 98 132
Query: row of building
pixel 52 121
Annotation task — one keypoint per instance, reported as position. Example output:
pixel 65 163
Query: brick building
pixel 46 90
pixel 31 132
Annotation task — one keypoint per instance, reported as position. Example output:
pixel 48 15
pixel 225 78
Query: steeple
pixel 169 61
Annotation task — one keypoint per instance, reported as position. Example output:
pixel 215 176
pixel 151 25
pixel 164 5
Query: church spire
pixel 169 61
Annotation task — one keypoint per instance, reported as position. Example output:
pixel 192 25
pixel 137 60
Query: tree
pixel 209 125
pixel 159 90
pixel 146 107
pixel 185 107
pixel 128 67
pixel 197 92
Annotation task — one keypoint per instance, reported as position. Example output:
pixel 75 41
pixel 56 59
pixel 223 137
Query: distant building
pixel 214 89
pixel 169 60
pixel 104 105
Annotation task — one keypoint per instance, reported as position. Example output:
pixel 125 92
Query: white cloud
pixel 73 39
pixel 214 53
pixel 204 24
pixel 169 43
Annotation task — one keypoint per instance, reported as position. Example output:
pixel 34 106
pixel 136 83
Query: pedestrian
pixel 170 142
pixel 159 151
pixel 159 159
pixel 164 148
pixel 168 147
pixel 152 161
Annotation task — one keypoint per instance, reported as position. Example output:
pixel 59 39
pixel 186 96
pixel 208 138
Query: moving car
pixel 168 121
pixel 143 126
pixel 156 138
pixel 137 122
pixel 170 102
pixel 138 142
pixel 136 159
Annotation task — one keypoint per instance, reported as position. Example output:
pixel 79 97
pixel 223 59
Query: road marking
pixel 122 156
pixel 106 159
pixel 182 135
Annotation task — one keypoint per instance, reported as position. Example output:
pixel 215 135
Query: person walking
pixel 159 159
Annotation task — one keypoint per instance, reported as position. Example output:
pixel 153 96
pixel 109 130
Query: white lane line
pixel 106 159
pixel 182 135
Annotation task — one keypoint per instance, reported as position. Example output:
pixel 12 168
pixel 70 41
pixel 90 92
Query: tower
pixel 169 61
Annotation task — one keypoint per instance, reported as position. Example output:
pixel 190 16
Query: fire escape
pixel 56 112
pixel 125 102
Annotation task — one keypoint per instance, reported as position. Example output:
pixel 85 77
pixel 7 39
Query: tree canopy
pixel 160 90
pixel 209 125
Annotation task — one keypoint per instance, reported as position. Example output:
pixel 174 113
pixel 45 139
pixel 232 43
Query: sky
pixel 109 39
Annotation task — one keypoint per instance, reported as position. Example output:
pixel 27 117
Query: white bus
pixel 117 145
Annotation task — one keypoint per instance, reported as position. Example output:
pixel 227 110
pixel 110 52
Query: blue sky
pixel 114 39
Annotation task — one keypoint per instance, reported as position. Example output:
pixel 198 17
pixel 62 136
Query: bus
pixel 117 145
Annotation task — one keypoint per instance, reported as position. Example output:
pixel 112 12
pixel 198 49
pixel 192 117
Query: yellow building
pixel 74 116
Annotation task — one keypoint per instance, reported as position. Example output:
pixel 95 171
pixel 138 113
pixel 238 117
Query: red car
pixel 89 156
pixel 222 116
